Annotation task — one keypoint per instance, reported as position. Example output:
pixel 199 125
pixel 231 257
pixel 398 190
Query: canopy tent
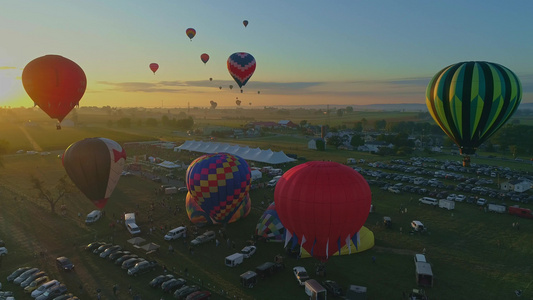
pixel 150 247
pixel 168 165
pixel 136 240
pixel 251 154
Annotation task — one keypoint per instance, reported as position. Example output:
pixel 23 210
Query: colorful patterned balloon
pixel 241 67
pixel 471 100
pixel 190 33
pixel 220 184
pixel 269 226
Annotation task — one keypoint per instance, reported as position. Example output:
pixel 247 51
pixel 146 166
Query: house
pixel 519 186
pixel 287 124
pixel 259 125
pixel 312 143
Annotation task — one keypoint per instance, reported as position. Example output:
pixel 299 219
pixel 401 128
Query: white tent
pixel 256 175
pixel 168 165
pixel 257 154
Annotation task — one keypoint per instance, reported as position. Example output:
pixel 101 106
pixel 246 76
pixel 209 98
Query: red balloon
pixel 55 83
pixel 204 57
pixel 154 67
pixel 324 204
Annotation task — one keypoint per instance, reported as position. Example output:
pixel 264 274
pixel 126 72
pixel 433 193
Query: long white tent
pixel 252 154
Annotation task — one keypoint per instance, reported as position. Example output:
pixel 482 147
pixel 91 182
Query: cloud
pixel 146 87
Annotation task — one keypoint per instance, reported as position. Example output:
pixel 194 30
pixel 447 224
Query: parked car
pixel 102 248
pixel 301 275
pixel 481 201
pixel 248 251
pixel 156 282
pixel 131 262
pixel 124 258
pixel 172 284
pixel 420 258
pixel 36 283
pixel 460 198
pixel 52 292
pixel 68 296
pixel 3 251
pixel 44 287
pixel 29 280
pixel 110 250
pixel 117 255
pixel 17 273
pixel 64 263
pixel 199 295
pixel 184 291
pixel 332 287
pixel 205 237
pixel 25 275
pixel 94 245
pixel 142 267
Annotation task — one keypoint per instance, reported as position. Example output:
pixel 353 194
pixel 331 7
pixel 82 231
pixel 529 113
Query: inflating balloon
pixel 190 33
pixel 95 166
pixel 324 204
pixel 154 67
pixel 269 226
pixel 471 100
pixel 204 57
pixel 219 184
pixel 241 67
pixel 54 83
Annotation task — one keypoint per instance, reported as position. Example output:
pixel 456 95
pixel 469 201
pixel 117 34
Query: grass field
pixel 474 255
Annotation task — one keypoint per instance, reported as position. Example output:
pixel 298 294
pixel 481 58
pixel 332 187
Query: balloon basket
pixel 466 161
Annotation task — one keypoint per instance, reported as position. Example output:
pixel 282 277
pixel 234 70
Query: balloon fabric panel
pixel 118 158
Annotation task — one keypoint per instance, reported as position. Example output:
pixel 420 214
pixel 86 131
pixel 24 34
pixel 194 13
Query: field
pixel 474 255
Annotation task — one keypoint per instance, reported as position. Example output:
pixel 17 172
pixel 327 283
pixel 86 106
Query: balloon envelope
pixel 245 23
pixel 154 67
pixel 94 165
pixel 55 83
pixel 471 100
pixel 190 32
pixel 324 204
pixel 269 226
pixel 241 66
pixel 219 183
pixel 204 57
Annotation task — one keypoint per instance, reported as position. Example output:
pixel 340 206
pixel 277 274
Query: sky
pixel 312 52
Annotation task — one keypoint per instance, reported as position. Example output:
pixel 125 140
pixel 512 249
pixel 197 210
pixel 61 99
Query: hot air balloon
pixel 238 102
pixel 210 79
pixel 154 67
pixel 245 23
pixel 231 86
pixel 471 100
pixel 95 166
pixel 269 226
pixel 241 66
pixel 219 184
pixel 54 83
pixel 220 87
pixel 323 204
pixel 213 104
pixel 205 58
pixel 250 103
pixel 190 33
pixel 258 92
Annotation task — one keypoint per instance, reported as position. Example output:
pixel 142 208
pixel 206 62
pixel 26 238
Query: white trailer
pixel 234 259
pixel 497 208
pixel 448 204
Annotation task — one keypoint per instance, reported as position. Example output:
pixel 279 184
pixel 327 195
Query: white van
pixel 417 226
pixel 93 216
pixel 234 259
pixel 274 181
pixel 429 200
pixel 133 228
pixel 176 233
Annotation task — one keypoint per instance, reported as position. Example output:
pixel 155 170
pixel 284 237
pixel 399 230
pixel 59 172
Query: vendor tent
pixel 136 240
pixel 150 247
pixel 251 154
pixel 168 165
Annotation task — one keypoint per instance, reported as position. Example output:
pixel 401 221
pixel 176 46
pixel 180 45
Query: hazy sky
pixel 345 52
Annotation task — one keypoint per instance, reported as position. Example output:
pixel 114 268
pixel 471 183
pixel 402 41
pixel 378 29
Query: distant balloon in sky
pixel 154 67
pixel 245 23
pixel 190 33
pixel 95 165
pixel 241 66
pixel 259 92
pixel 471 100
pixel 54 83
pixel 204 57
pixel 238 102
pixel 220 87
pixel 210 79
pixel 213 104
pixel 231 86
pixel 250 103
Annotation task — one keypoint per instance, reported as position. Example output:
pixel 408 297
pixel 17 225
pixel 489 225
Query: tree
pixel 334 141
pixel 381 124
pixel 152 122
pixel 320 145
pixel 124 123
pixel 357 141
pixel 349 109
pixel 340 112
pixel 303 123
pixel 52 196
pixel 358 126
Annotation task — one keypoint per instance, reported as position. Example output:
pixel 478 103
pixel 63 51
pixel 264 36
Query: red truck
pixel 520 211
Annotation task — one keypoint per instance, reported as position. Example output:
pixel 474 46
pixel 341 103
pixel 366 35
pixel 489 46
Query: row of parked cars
pixel 178 287
pixel 134 264
pixel 37 283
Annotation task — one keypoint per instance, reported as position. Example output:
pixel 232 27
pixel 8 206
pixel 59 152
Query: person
pixel 129 290
pixel 373 259
pixel 115 289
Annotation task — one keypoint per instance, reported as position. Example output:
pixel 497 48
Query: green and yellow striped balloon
pixel 471 100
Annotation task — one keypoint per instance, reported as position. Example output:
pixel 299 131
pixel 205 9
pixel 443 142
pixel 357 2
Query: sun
pixel 10 86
